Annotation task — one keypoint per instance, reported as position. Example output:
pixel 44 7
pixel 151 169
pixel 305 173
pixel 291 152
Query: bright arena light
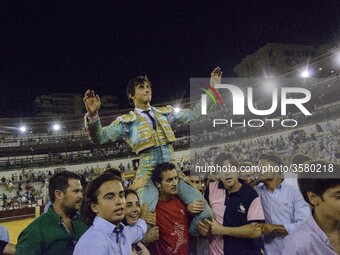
pixel 336 59
pixel 56 127
pixel 23 129
pixel 305 74
pixel 177 109
pixel 270 84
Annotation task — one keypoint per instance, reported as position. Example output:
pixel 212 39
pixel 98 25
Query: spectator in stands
pixel 56 231
pixel 103 209
pixel 320 233
pixel 10 186
pixel 237 210
pixel 147 130
pixel 3 181
pixel 4 199
pixel 172 215
pixel 283 205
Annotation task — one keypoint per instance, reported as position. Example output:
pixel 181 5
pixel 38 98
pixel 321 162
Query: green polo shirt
pixel 48 235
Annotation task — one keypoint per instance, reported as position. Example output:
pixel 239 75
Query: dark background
pixel 70 46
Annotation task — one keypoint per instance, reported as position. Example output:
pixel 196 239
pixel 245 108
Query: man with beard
pixel 172 216
pixel 58 230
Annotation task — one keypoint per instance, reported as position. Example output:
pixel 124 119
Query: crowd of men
pixel 268 213
pixel 261 211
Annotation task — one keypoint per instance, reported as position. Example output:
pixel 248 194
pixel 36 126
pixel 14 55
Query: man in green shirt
pixel 58 230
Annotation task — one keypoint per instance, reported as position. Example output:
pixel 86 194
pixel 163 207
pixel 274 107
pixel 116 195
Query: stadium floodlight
pixel 56 127
pixel 23 129
pixel 177 109
pixel 270 83
pixel 336 59
pixel 305 73
pixel 268 75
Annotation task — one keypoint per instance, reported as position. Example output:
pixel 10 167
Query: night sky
pixel 70 46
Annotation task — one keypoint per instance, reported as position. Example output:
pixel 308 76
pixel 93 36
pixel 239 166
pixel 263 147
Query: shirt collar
pixel 241 191
pixel 139 111
pixel 317 230
pixel 53 214
pixel 220 185
pixel 106 226
pixel 281 186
